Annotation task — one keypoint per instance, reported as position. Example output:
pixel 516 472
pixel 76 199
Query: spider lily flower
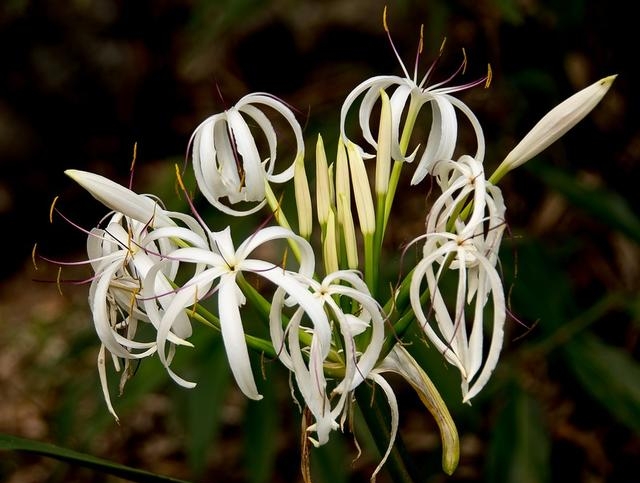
pixel 338 289
pixel 477 280
pixel 470 249
pixel 121 255
pixel 409 96
pixel 222 266
pixel 554 125
pixel 226 157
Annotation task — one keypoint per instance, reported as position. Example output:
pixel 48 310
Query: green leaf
pixel 14 443
pixel 329 461
pixel 605 205
pixel 520 445
pixel 205 401
pixel 261 432
pixel 610 375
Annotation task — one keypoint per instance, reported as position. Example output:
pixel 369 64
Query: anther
pixel 52 208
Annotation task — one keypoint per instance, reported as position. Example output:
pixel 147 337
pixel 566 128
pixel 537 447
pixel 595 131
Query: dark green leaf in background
pixel 13 443
pixel 520 446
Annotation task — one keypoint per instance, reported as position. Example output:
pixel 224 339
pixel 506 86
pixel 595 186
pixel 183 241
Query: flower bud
pixel 554 125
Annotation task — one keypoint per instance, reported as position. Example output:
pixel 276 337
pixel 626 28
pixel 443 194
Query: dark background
pixel 82 81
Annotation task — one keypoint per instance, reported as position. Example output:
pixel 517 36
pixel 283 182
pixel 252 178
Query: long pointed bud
pixel 383 154
pixel 361 190
pixel 344 216
pixel 323 191
pixel 329 245
pixel 118 198
pixel 303 198
pixel 554 125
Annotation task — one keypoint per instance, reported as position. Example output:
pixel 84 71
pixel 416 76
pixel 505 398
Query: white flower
pixel 408 98
pixel 122 254
pixel 341 288
pixel 222 266
pixel 469 246
pixel 226 157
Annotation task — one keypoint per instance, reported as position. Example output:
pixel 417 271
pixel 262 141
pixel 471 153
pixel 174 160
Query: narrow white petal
pixel 395 418
pixel 233 336
pixel 497 333
pixel 441 142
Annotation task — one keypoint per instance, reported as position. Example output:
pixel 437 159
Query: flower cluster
pixel 331 323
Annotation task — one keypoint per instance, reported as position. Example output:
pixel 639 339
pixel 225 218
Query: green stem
pixel 371 266
pixel 264 309
pixel 280 217
pixel 205 317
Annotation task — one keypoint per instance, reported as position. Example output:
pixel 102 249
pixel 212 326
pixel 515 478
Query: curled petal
pixel 226 158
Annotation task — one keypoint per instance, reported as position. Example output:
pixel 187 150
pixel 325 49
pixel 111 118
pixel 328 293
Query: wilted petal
pixel 401 362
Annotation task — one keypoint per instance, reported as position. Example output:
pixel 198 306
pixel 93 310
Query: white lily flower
pixel 554 125
pixel 450 336
pixel 341 287
pixel 226 157
pixel 471 249
pixel 222 267
pixel 122 255
pixel 408 97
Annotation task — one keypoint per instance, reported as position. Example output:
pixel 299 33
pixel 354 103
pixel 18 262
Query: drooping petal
pixel 229 301
pixel 395 418
pixel 442 138
pixel 401 362
pixel 270 233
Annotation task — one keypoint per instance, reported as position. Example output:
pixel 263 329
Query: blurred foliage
pixel 84 80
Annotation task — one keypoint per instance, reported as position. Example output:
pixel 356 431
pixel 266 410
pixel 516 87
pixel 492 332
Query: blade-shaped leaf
pixel 14 443
pixel 520 445
pixel 261 432
pixel 610 375
pixel 607 206
pixel 205 402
